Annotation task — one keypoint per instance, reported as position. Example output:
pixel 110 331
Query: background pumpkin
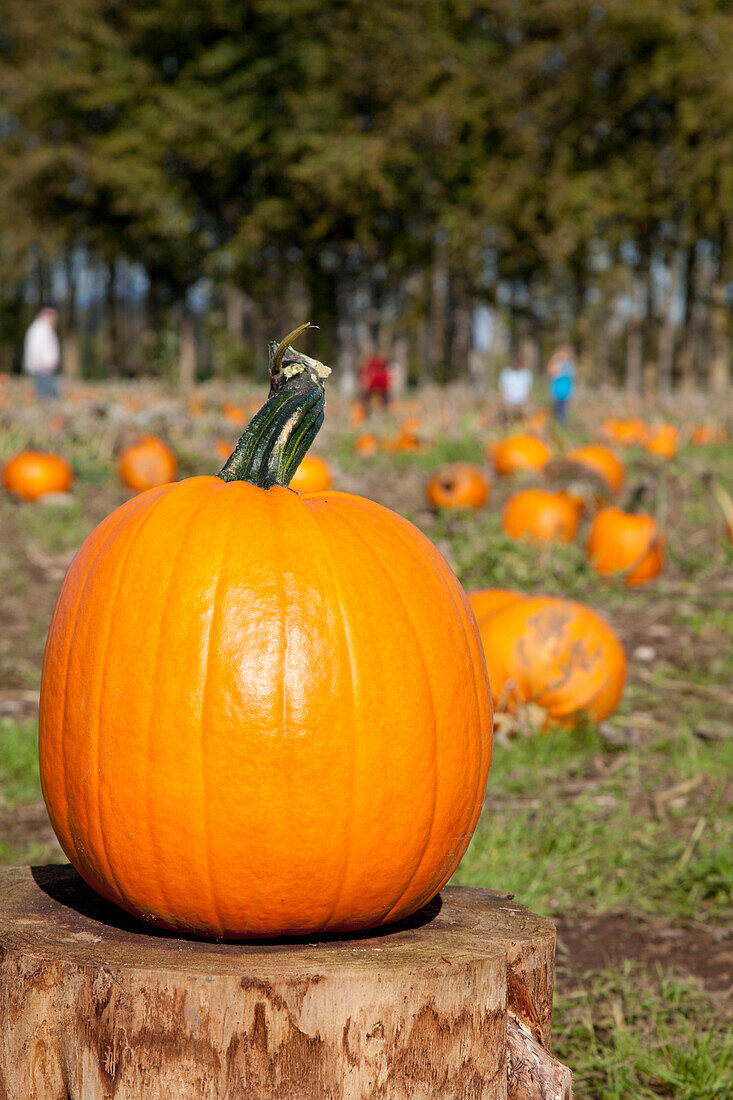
pixel 306 729
pixel 487 601
pixel 663 440
pixel 366 445
pixel 33 474
pixel 519 452
pixel 626 542
pixel 146 463
pixel 556 653
pixel 541 514
pixel 630 433
pixel 458 485
pixel 312 476
pixel 602 461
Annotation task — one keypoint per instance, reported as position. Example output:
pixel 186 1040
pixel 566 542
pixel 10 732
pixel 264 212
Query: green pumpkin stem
pixel 278 436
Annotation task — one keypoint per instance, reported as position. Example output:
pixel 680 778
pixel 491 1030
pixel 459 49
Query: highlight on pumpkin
pixel 304 745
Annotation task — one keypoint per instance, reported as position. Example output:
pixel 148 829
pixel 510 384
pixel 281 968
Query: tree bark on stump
pixel 455 1002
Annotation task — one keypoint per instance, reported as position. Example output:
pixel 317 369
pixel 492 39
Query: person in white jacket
pixel 42 352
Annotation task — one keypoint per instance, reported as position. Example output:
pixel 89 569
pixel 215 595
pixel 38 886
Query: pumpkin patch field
pixel 598 563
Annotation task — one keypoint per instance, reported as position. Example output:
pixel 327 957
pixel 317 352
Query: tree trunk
pixel 439 301
pixel 633 358
pixel 649 323
pixel 686 354
pixel 70 353
pixel 719 372
pixel 455 1002
pixel 186 351
pixel 113 328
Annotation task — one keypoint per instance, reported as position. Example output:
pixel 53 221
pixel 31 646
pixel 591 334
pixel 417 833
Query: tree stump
pixel 455 1002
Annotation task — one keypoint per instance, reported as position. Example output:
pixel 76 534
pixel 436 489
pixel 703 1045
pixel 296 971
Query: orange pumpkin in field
pixel 628 433
pixel 366 445
pixel 626 542
pixel 519 452
pixel 602 461
pixel 704 434
pixel 487 601
pixel 33 474
pixel 555 653
pixel 147 463
pixel 357 414
pixel 233 414
pixel 312 476
pixel 223 448
pixel 458 485
pixel 662 441
pixel 541 514
pixel 407 438
pixel 262 712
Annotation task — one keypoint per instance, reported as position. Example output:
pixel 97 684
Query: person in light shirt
pixel 515 386
pixel 42 352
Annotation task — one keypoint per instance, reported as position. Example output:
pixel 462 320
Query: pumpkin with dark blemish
pixel 458 485
pixel 556 653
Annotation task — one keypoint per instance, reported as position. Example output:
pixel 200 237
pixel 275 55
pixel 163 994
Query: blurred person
pixel 375 380
pixel 42 352
pixel 561 372
pixel 515 386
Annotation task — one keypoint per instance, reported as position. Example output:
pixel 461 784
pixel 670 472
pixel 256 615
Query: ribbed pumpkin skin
pixel 33 474
pixel 458 485
pixel 542 515
pixel 312 476
pixel 602 461
pixel 263 713
pixel 555 653
pixel 146 464
pixel 619 541
pixel 519 452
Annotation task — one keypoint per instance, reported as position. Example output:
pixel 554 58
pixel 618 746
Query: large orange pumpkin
pixel 555 653
pixel 519 452
pixel 146 463
pixel 541 514
pixel 628 543
pixel 312 476
pixel 458 485
pixel 602 461
pixel 263 712
pixel 33 474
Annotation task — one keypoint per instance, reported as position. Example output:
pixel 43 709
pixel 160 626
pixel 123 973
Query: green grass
pixel 626 1035
pixel 574 822
pixel 19 780
pixel 569 827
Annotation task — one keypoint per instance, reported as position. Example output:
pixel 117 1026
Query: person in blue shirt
pixel 561 372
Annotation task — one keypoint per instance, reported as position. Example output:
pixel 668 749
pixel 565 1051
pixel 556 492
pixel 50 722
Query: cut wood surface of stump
pixel 455 1002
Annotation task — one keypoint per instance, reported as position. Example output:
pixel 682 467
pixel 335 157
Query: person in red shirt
pixel 375 380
